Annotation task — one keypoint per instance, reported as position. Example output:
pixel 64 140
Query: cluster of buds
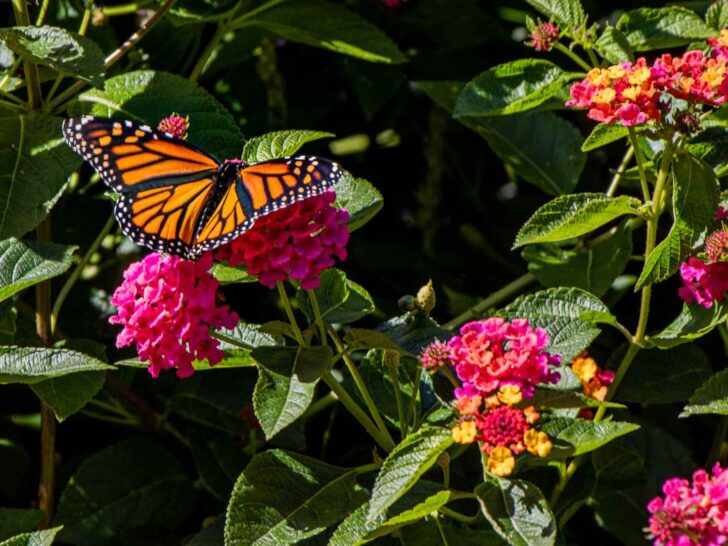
pixel 544 36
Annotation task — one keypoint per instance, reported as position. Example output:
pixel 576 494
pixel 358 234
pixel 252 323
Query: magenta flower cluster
pixel 691 514
pixel 704 282
pixel 167 306
pixel 492 353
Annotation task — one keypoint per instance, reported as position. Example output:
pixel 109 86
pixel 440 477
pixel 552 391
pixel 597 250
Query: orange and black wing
pixel 261 189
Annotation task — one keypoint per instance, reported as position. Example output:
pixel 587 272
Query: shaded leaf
pixel 14 521
pixel 614 46
pixel 694 321
pixel 68 394
pixel 219 460
pixel 711 397
pixel 25 263
pixel 340 299
pixel 413 332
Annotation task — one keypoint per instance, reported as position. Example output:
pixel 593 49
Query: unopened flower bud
pixel 426 298
pixel 443 459
pixel 407 303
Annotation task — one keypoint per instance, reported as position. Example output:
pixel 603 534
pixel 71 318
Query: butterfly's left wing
pixel 261 189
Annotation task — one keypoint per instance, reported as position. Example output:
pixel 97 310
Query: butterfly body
pixel 177 198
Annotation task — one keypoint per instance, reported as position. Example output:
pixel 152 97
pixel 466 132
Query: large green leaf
pixel 696 192
pixel 603 134
pixel 360 199
pixel 663 377
pixel 278 144
pixel 33 364
pixel 662 28
pixel 512 87
pixel 576 436
pixel 68 394
pixel 64 51
pixel 36 538
pixel 150 96
pixel 693 322
pixel 287 381
pixel 34 166
pixel 717 15
pixel 14 521
pixel 218 459
pixel 413 333
pixel 284 498
pixel 405 465
pixel 558 311
pixel 25 263
pixel 517 511
pixel 711 397
pixel 340 299
pixel 327 25
pixel 568 13
pixel 574 215
pixel 614 46
pixel 131 484
pixel 553 164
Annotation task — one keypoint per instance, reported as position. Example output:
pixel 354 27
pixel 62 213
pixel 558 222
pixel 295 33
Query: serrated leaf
pixel 662 28
pixel 510 88
pixel 36 538
pixel 603 134
pixel 130 484
pixel 517 511
pixel 405 465
pixel 553 164
pixel 283 498
pixel 278 144
pixel 25 263
pixel 717 15
pixel 696 193
pixel 568 13
pixel 574 215
pixel 327 25
pixel 340 299
pixel 14 521
pixel 33 364
pixel 68 394
pixel 413 333
pixel 558 311
pixel 357 339
pixel 35 164
pixel 219 460
pixel 664 376
pixel 573 437
pixel 614 46
pixel 360 199
pixel 694 321
pixel 710 397
pixel 62 50
pixel 286 383
pixel 150 96
pixel 564 399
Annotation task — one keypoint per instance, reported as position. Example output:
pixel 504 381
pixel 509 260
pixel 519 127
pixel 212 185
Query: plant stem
pixel 360 385
pixel 573 56
pixel 32 78
pixel 289 313
pixel 592 56
pixel 716 449
pixel 495 298
pixel 410 417
pixel 73 278
pixel 42 13
pixel 640 164
pixel 208 51
pixel 231 340
pixel 317 314
pixel 386 443
pixel 240 21
pixel 617 178
pixel 458 516
pixel 124 9
pixel 394 375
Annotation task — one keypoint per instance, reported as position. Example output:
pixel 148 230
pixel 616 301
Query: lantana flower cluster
pixel 691 512
pixel 499 364
pixel 634 93
pixel 544 36
pixel 594 379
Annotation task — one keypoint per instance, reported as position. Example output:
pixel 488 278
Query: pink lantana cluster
pixel 175 126
pixel 167 306
pixel 693 77
pixel 544 36
pixel 297 242
pixel 691 513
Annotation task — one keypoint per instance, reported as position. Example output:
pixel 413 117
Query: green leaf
pixel 278 144
pixel 568 13
pixel 33 364
pixel 693 322
pixel 717 15
pixel 664 377
pixel 218 458
pixel 573 437
pixel 574 215
pixel 614 46
pixel 413 333
pixel 405 465
pixel 286 383
pixel 662 28
pixel 711 145
pixel 35 163
pixel 710 397
pixel 228 274
pixel 444 532
pixel 603 134
pixel 284 498
pixel 565 399
pixel 14 521
pixel 696 193
pixel 128 485
pixel 552 164
pixel 25 263
pixel 517 511
pixel 69 393
pixel 340 299
pixel 360 199
pixel 509 88
pixel 357 339
pixel 36 538
pixel 593 269
pixel 151 96
pixel 327 25
pixel 64 51
pixel 558 311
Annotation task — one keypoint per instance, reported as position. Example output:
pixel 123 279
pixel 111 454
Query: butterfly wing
pixel 261 189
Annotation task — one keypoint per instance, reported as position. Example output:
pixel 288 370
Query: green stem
pixel 42 13
pixel 289 313
pixel 240 21
pixel 719 438
pixel 573 56
pixel 386 443
pixel 469 520
pixel 208 51
pixel 125 421
pixel 394 375
pixel 12 105
pixel 450 377
pixel 318 406
pixel 73 278
pixel 495 298
pixel 410 418
pixel 9 74
pixel 124 9
pixel 617 178
pixel 32 77
pixel 592 56
pixel 231 340
pixel 640 163
pixel 317 314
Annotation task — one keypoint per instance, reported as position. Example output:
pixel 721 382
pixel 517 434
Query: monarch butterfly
pixel 179 199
